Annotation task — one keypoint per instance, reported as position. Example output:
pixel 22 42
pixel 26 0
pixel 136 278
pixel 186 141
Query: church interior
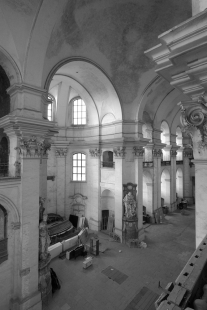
pixel 103 132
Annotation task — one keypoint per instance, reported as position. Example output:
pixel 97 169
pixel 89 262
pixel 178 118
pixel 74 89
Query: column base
pixel 32 302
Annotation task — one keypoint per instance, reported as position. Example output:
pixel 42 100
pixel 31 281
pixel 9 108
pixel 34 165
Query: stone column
pixel 119 157
pixel 173 202
pixel 43 179
pixel 157 154
pixel 150 198
pixel 187 181
pixel 61 153
pixel 138 156
pixel 200 199
pixel 95 189
pixel 30 150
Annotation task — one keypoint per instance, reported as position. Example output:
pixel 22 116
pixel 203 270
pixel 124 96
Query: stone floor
pixel 169 246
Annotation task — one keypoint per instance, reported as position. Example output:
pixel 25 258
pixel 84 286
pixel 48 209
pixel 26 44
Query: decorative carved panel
pixel 78 204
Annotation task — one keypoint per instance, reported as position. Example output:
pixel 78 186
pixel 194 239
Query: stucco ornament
pixel 193 118
pixel 130 206
pixel 120 151
pixel 138 151
pixel 157 152
pixel 32 146
pixel 61 152
pixel 44 240
pixel 95 152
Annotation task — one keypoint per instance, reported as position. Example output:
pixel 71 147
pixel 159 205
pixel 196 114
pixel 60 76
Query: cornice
pixel 23 87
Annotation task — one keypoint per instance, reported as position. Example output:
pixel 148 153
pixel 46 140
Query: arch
pixel 165 135
pixel 10 208
pixel 10 67
pixel 179 136
pixel 107 207
pixel 179 183
pixel 66 88
pixel 94 79
pixel 165 187
pixel 108 118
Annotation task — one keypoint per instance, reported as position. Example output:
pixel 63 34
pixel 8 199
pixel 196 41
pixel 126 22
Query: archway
pixel 165 138
pixel 179 183
pixel 147 192
pixel 165 187
pixel 179 142
pixel 107 210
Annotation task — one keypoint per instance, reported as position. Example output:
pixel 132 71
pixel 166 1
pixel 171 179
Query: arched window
pixel 50 107
pixel 79 167
pixel 3 235
pixel 79 112
pixel 108 159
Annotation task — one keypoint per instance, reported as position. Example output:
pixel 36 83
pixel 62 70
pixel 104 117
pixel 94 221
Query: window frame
pixel 4 241
pixel 72 174
pixel 72 101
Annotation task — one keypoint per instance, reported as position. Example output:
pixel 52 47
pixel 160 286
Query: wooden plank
pixel 165 305
pixel 145 301
pixel 177 294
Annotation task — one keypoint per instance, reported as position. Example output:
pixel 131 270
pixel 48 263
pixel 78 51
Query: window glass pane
pixel 79 108
pixel 79 170
pixel 75 156
pixel 75 114
pixel 75 122
pixel 84 121
pixel 84 170
pixel 79 163
pixel 75 163
pixel 83 114
pixel 83 163
pixel 75 169
pixel 83 177
pixel 74 177
pixel 83 156
pixel 79 155
pixel 83 108
pixel 79 177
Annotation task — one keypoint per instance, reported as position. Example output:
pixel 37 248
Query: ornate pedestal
pixel 45 286
pixel 130 231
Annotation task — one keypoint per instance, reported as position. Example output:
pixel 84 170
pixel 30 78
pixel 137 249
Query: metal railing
pixel 148 164
pixel 179 162
pixel 108 164
pixel 4 170
pixel 165 162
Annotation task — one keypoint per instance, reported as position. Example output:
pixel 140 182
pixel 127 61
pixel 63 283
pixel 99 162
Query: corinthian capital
pixel 61 152
pixel 32 147
pixel 138 151
pixel 95 152
pixel 157 152
pixel 120 152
